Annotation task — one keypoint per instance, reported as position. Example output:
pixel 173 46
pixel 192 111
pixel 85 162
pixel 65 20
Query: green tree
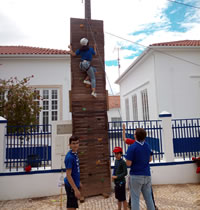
pixel 18 102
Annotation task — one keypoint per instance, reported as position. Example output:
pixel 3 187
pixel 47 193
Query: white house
pixel 51 71
pixel 165 77
pixel 52 77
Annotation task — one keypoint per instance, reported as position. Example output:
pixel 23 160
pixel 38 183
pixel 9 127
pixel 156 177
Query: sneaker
pixel 87 82
pixel 94 94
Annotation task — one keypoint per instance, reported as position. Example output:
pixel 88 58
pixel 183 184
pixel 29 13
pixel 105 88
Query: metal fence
pixel 154 136
pixel 186 138
pixel 28 145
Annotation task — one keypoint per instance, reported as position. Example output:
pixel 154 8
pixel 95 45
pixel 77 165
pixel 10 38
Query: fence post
pixel 3 123
pixel 61 132
pixel 167 136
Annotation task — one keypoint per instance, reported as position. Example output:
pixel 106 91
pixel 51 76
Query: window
pixel 2 97
pixel 54 105
pixel 38 104
pixel 50 105
pixel 145 105
pixel 135 107
pixel 127 109
pixel 54 115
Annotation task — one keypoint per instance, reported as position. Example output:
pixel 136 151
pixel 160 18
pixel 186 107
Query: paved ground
pixel 168 197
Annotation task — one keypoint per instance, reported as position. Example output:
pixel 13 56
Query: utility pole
pixel 118 61
pixel 87 9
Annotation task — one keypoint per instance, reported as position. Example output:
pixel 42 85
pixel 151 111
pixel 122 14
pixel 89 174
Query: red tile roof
pixel 23 50
pixel 179 43
pixel 114 102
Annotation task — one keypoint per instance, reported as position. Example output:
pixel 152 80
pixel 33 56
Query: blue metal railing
pixel 28 145
pixel 186 138
pixel 154 136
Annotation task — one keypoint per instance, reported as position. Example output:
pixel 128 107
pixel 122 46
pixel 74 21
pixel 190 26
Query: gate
pixel 154 136
pixel 28 145
pixel 186 138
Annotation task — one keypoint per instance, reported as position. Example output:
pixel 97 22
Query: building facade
pixel 165 77
pixel 51 77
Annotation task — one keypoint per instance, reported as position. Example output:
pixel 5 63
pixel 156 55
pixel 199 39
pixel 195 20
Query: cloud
pixel 46 23
pixel 9 31
pixel 39 23
pixel 166 22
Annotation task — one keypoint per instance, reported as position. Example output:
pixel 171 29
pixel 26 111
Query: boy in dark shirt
pixel 119 173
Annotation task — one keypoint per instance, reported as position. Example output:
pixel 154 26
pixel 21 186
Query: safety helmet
pixel 84 42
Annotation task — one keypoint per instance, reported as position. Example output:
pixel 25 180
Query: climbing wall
pixel 89 114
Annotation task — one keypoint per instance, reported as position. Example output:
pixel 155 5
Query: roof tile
pixel 24 50
pixel 179 43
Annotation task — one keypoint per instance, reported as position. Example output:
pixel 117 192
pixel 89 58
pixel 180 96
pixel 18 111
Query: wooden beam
pixel 89 114
pixel 87 9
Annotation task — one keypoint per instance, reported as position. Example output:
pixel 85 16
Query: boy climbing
pixel 86 52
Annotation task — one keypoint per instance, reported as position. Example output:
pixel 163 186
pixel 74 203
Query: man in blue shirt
pixel 138 157
pixel 72 179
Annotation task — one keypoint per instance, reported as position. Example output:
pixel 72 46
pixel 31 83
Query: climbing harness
pixel 84 65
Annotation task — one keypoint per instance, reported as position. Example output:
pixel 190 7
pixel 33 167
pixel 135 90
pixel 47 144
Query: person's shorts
pixel 120 192
pixel 72 201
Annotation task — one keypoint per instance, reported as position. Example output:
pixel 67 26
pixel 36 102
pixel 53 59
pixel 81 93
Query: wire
pixel 101 61
pixel 188 5
pixel 154 49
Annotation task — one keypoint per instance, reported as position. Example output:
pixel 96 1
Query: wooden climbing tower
pixel 89 114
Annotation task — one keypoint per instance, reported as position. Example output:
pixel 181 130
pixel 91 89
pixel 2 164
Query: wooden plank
pixel 89 114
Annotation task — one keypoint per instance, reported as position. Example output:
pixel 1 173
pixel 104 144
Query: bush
pixel 18 102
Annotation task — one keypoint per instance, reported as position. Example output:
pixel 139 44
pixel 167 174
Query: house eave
pixel 174 47
pixel 145 52
pixel 139 58
pixel 35 56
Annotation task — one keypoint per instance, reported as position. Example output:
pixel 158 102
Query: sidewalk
pixel 167 197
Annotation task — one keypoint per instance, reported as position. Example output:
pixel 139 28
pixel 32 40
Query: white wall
pixel 175 174
pixel 178 83
pixel 29 186
pixel 60 143
pixel 141 77
pixel 113 113
pixel 19 185
pixel 173 84
pixel 45 183
pixel 39 185
pixel 47 70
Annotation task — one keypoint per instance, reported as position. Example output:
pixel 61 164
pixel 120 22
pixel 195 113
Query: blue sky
pixel 46 23
pixel 177 20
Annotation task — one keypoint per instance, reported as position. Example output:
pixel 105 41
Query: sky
pixel 46 23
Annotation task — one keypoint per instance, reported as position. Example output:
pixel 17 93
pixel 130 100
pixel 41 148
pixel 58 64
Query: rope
pixel 101 61
pixel 182 59
pixel 188 5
